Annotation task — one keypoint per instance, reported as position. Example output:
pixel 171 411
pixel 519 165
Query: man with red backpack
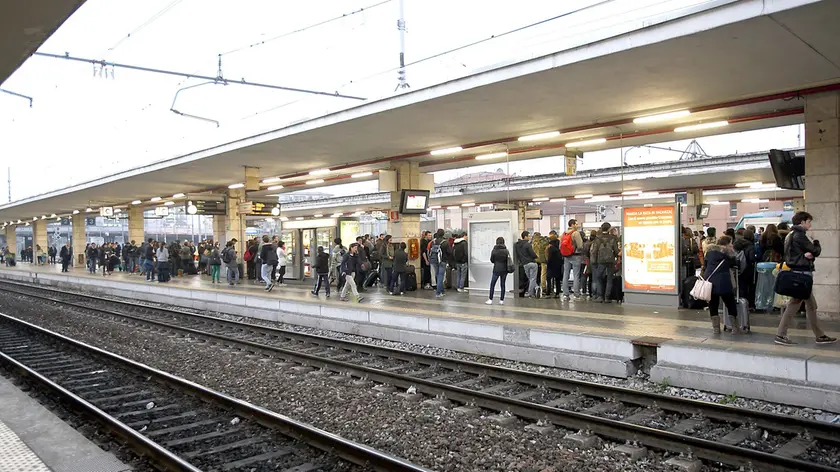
pixel 571 248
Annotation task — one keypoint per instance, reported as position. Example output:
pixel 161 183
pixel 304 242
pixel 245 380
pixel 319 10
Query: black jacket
pixel 554 258
pixel 322 262
pixel 459 251
pixel 400 261
pixel 797 244
pixel 150 252
pixel 268 254
pixel 722 278
pixel 66 254
pixel 499 258
pixel 350 264
pixel 524 252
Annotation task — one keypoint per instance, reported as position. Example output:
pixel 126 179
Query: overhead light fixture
pixel 19 222
pixel 88 209
pixel 318 215
pixel 117 210
pixel 540 199
pixel 557 200
pixel 537 137
pixel 441 152
pixel 275 211
pixel 284 218
pixel 136 202
pixel 233 186
pixel 662 117
pixel 632 192
pixel 52 216
pixel 178 195
pixel 649 194
pixel 319 172
pixel 718 203
pixel 75 212
pixel 648 205
pixel 169 203
pixel 585 195
pixel 748 184
pixel 336 215
pixel 486 205
pixel 44 217
pixel 361 174
pixel 468 204
pixel 34 218
pixel 588 142
pixel 314 182
pixel 701 126
pixel 299 218
pixel 271 180
pixel 453 207
pixel 755 200
pixel 27 223
pixel 435 207
pixel 492 155
pixel 155 199
pixel 275 187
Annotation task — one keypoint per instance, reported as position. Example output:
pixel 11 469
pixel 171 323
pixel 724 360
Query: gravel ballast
pixel 432 436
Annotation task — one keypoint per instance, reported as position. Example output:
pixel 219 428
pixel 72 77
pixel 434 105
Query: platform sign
pixel 162 211
pixel 649 249
pixel 206 207
pixel 263 209
pixel 106 211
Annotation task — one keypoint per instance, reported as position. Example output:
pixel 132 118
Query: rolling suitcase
pixel 743 315
pixel 410 279
pixel 617 294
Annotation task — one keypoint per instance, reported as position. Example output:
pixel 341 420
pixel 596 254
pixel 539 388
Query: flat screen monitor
pixel 788 169
pixel 703 211
pixel 415 202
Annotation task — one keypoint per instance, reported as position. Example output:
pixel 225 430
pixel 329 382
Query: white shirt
pixel 281 257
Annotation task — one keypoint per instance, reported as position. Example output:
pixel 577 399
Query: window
pixel 733 209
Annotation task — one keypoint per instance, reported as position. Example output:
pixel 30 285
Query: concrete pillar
pixel 822 195
pixel 219 229
pixel 798 204
pixel 11 240
pixel 234 221
pixel 408 177
pixel 79 239
pixel 520 211
pixel 39 236
pixel 136 225
pixel 690 220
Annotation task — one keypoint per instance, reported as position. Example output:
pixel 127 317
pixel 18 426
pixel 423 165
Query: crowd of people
pixel 729 263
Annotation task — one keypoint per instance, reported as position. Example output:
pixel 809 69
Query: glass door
pixel 324 237
pixel 290 238
pixel 308 239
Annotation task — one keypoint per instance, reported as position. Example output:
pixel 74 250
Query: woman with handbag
pixel 797 283
pixel 719 261
pixel 502 266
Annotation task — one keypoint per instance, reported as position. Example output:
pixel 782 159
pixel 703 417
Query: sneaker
pixel 359 300
pixel 438 295
pixel 826 340
pixel 344 299
pixel 501 302
pixel 566 298
pixel 402 293
pixel 489 302
pixel 783 340
pixel 578 298
pixel 270 287
pixel 313 294
pixel 328 295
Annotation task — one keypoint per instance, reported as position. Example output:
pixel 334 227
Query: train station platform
pixel 676 347
pixel 33 439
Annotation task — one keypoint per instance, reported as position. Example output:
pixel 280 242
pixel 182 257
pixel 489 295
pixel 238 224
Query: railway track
pixel 179 425
pixel 709 431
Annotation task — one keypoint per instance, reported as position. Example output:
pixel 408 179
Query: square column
pixel 822 195
pixel 136 225
pixel 11 240
pixel 219 229
pixel 234 222
pixel 79 240
pixel 39 236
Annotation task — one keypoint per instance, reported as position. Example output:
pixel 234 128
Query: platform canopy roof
pixel 747 62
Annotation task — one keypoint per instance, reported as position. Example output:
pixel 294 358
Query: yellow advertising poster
pixel 650 252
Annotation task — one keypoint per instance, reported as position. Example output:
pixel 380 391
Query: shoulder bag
pixel 703 288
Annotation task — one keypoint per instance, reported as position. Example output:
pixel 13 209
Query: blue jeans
pixel 385 276
pixel 92 265
pixel 148 265
pixel 461 271
pixel 265 271
pixel 502 278
pixel 232 275
pixel 602 281
pixel 394 287
pixel 571 265
pixel 440 272
pixel 531 273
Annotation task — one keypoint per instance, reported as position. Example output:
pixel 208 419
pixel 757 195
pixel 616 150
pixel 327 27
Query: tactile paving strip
pixel 15 455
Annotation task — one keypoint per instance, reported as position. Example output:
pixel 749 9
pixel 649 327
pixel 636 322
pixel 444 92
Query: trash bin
pixel 764 293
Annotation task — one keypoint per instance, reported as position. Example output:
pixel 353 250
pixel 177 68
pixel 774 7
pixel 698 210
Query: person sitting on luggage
pixel 718 264
pixel 400 268
pixel 322 270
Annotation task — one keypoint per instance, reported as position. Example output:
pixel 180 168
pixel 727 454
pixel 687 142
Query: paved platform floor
pixel 585 317
pixel 33 439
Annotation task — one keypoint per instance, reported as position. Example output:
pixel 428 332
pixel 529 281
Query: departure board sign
pixel 649 249
pixel 264 209
pixel 206 207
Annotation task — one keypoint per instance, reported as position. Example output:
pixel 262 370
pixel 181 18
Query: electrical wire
pixel 314 25
pixel 146 23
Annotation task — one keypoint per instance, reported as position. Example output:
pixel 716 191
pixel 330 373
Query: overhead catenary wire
pixel 217 79
pixel 146 23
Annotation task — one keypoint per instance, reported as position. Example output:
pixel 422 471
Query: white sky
pixel 84 126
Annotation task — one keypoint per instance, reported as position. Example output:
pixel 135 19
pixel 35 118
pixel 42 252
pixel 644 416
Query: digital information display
pixel 649 249
pixel 414 202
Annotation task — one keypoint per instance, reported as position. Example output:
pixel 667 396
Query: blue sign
pixel 788 206
pixel 682 198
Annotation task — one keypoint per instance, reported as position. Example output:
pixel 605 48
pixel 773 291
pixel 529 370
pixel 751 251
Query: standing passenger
pixel 719 261
pixel 500 258
pixel 268 256
pixel 231 265
pixel 66 256
pixel 281 263
pixel 336 255
pixel 426 271
pixel 349 266
pixel 162 255
pixel 149 260
pixel 604 254
pixel 399 271
pixel 438 255
pixel 322 272
pixel 571 247
pixel 215 264
pixel 461 258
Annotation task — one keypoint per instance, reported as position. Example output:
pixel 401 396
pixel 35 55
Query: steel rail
pixel 326 441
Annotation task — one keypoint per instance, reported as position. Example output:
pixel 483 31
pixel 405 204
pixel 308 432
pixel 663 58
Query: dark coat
pixel 797 244
pixel 66 254
pixel 322 263
pixel 400 261
pixel 350 264
pixel 555 259
pixel 722 278
pixel 499 258
pixel 524 252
